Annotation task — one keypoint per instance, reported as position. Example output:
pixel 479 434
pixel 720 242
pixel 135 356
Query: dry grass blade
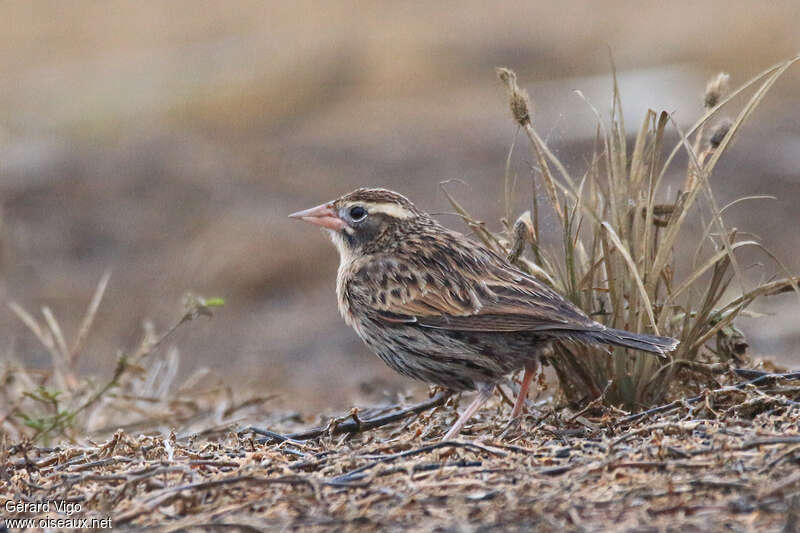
pixel 648 307
pixel 694 276
pixel 483 234
pixel 44 337
pixel 707 231
pixel 88 318
pixel 704 185
pixel 611 160
pixel 507 181
pixel 730 311
pixel 60 343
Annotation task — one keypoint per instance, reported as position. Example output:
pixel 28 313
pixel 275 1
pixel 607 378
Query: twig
pixel 353 426
pixel 761 377
pixel 165 496
pixel 594 403
pixel 769 441
pixel 424 449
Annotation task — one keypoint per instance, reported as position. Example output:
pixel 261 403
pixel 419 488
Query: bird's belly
pixel 456 360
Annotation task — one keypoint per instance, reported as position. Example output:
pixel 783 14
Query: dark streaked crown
pixel 378 197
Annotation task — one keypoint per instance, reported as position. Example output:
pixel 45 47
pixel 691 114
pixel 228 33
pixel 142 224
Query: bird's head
pixel 361 218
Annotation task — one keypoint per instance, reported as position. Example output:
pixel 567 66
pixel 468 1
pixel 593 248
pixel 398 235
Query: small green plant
pixel 619 234
pixel 44 423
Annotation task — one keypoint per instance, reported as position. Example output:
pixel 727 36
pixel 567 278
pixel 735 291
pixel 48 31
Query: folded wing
pixel 473 291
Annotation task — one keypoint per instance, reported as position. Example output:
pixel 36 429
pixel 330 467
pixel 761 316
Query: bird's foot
pixel 484 393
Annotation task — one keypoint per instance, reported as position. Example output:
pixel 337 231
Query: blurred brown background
pixel 167 141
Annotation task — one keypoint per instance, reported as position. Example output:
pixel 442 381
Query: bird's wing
pixel 482 293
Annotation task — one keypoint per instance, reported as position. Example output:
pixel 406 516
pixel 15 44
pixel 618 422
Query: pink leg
pixel 484 393
pixel 530 371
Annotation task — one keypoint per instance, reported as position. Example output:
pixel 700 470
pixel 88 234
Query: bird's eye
pixel 358 213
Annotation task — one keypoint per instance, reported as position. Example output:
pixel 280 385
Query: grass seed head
pixel 719 133
pixel 716 89
pixel 518 99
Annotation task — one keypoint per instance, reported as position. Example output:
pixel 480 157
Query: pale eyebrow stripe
pixel 387 208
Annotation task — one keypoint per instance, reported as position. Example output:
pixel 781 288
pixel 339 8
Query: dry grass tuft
pixel 620 228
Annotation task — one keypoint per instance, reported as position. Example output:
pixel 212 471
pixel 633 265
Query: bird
pixel 441 308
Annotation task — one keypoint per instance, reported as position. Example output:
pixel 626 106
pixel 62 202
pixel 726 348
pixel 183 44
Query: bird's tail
pixel 638 341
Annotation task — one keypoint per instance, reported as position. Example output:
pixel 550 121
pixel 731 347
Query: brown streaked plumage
pixel 441 308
